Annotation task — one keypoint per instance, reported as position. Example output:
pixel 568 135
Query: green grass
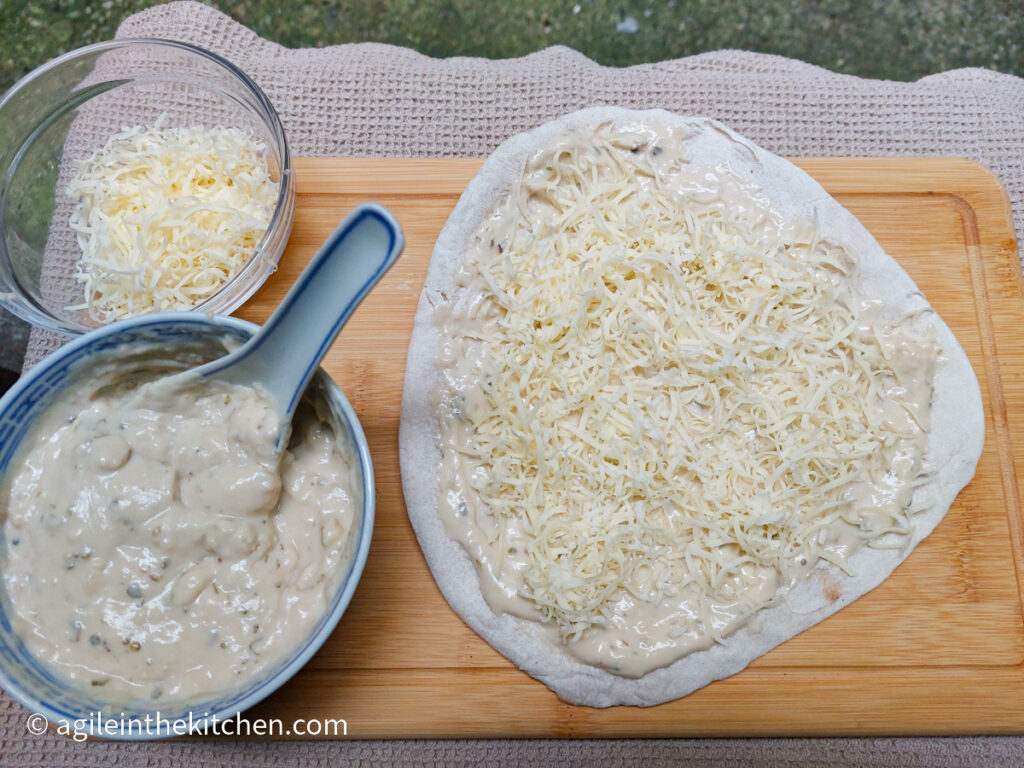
pixel 871 38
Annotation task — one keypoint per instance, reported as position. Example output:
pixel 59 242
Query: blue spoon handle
pixel 283 355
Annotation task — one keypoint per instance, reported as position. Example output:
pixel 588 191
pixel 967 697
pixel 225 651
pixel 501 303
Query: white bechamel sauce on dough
pixel 158 549
pixel 636 635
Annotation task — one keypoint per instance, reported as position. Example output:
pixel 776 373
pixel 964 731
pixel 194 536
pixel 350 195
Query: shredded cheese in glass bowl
pixel 165 218
pixel 144 176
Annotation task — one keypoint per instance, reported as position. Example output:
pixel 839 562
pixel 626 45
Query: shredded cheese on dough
pixel 165 217
pixel 674 391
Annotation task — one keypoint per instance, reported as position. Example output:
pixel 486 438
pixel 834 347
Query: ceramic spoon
pixel 285 352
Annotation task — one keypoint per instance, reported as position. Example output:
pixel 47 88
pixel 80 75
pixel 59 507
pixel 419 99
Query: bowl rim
pixel 281 219
pixel 310 644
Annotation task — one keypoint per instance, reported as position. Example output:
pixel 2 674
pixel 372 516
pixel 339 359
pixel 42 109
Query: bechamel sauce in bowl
pixel 157 551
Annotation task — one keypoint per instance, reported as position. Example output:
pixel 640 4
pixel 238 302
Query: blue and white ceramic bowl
pixel 29 682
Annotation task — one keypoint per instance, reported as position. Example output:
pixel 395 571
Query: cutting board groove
pixel 938 648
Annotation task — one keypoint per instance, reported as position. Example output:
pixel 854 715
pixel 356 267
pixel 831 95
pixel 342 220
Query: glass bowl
pixel 58 115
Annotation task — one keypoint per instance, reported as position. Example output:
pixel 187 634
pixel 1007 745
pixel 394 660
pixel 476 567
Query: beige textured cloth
pixel 372 99
pixel 378 100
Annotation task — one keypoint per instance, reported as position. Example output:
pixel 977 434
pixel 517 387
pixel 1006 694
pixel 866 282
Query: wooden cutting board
pixel 938 648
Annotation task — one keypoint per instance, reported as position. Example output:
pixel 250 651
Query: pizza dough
pixel 767 193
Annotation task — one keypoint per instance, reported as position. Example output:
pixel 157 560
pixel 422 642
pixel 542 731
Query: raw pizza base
pixel 954 443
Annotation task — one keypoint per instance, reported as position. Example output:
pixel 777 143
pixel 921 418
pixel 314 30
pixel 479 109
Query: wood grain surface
pixel 938 648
